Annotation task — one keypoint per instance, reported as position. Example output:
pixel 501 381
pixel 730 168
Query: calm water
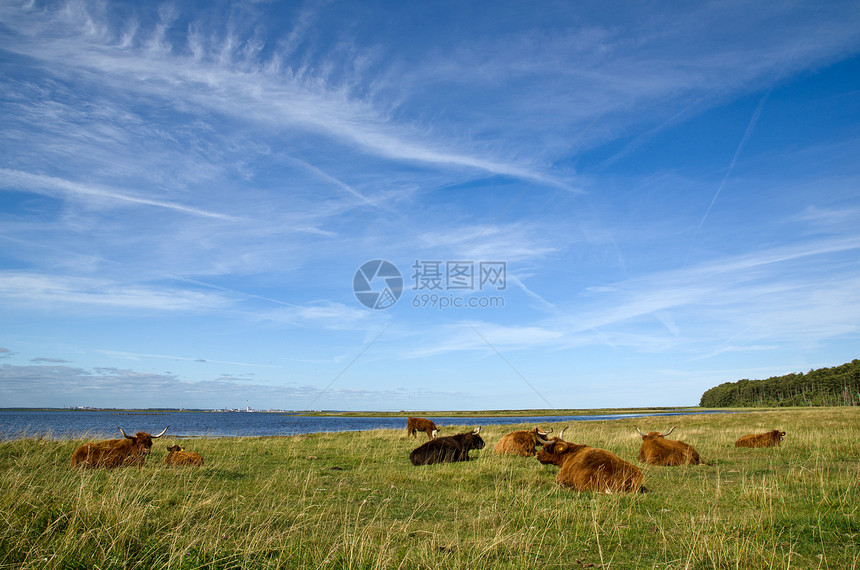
pixel 63 424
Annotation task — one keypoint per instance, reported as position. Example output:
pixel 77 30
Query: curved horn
pixel 561 435
pixel 670 431
pixel 123 433
pixel 477 430
pixel 161 434
pixel 640 433
pixel 541 439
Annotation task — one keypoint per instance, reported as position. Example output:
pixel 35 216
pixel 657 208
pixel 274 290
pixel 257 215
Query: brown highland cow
pixel 657 450
pixel 126 452
pixel 414 425
pixel 769 439
pixel 590 469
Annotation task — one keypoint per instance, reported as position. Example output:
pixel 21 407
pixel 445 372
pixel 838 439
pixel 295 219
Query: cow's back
pixel 437 451
pixel 601 471
pixel 109 453
pixel 516 443
pixel 449 448
pixel 81 457
pixel 660 451
pixel 769 439
pixel 414 425
pixel 747 441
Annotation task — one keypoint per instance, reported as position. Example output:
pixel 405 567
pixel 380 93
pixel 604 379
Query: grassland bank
pixel 354 500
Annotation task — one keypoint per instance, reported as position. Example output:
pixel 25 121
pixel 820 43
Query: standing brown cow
pixel 523 443
pixel 657 450
pixel 769 439
pixel 586 468
pixel 414 425
pixel 129 451
pixel 179 457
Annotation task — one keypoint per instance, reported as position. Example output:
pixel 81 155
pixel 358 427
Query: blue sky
pixel 188 189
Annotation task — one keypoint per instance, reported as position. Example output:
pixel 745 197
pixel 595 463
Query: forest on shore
pixel 836 386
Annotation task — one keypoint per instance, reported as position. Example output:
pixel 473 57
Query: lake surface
pixel 67 424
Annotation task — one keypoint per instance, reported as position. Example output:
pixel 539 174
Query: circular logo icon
pixel 377 284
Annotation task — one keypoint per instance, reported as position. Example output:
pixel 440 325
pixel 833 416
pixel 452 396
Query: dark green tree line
pixel 837 386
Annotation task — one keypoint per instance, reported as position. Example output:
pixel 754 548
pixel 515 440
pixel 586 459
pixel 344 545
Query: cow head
pixel 541 436
pixel 554 452
pixel 175 447
pixel 543 439
pixel 477 440
pixel 142 441
pixel 654 434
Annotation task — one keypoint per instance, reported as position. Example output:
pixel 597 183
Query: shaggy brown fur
pixel 414 425
pixel 590 469
pixel 179 457
pixel 126 452
pixel 769 439
pixel 523 443
pixel 657 450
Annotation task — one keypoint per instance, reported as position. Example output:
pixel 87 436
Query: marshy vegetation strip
pixel 353 500
pixel 510 413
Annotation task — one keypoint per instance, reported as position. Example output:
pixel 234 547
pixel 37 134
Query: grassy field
pixel 353 500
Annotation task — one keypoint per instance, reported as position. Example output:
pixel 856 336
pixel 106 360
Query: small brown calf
pixel 178 457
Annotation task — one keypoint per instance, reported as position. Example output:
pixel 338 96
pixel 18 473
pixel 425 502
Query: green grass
pixel 353 500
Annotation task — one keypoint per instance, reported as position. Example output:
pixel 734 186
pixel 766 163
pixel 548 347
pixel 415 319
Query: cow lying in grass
pixel 586 468
pixel 447 449
pixel 178 457
pixel 524 443
pixel 769 439
pixel 657 450
pixel 127 452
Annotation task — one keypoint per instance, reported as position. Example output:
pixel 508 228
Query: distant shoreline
pixel 401 413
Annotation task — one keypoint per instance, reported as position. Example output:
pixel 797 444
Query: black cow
pixel 447 449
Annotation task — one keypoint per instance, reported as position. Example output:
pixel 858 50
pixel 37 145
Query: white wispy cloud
pixel 643 59
pixel 79 292
pixel 748 292
pixel 325 314
pixel 512 242
pixel 764 292
pixel 92 194
pixel 462 337
pixel 246 90
pixel 141 356
pixel 734 348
